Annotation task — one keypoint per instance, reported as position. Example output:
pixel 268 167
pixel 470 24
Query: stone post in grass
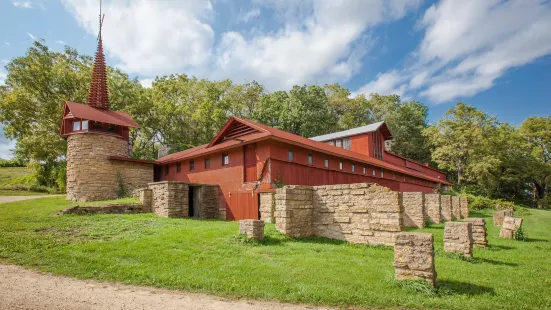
pixel 252 228
pixel 458 238
pixel 464 203
pixel 510 227
pixel 479 232
pixel 414 257
pixel 446 207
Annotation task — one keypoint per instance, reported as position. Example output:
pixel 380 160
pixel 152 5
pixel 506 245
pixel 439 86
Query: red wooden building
pixel 246 158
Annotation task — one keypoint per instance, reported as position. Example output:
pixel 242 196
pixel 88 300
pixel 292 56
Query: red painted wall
pixel 360 144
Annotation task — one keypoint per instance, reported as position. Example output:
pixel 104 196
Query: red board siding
pixel 244 206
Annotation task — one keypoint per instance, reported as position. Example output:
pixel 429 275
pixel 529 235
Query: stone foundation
pixel 414 205
pixel 357 213
pixel 113 208
pixel 479 232
pixel 446 207
pixel 414 257
pixel 252 228
pixel 91 176
pixel 458 238
pixel 170 199
pixel 500 215
pixel 510 227
pixel 432 208
pixel 267 206
pixel 456 208
pixel 464 205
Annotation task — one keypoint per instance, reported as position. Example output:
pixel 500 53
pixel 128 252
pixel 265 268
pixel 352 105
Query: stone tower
pixel 99 166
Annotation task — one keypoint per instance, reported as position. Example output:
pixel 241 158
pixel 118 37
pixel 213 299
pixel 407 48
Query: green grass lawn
pixel 208 256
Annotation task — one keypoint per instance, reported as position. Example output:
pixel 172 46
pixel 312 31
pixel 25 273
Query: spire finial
pixel 98 97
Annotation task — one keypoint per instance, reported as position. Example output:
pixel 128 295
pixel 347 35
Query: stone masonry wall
pixel 464 203
pixel 414 257
pixel 294 210
pixel 267 206
pixel 208 202
pixel 357 213
pixel 446 207
pixel 479 232
pixel 91 176
pixel 458 238
pixel 456 208
pixel 432 208
pixel 414 205
pixel 170 199
pixel 146 199
pixel 510 227
pixel 500 215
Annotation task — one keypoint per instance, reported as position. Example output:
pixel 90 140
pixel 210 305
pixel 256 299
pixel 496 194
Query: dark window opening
pixel 290 155
pixel 207 162
pixel 191 165
pixel 178 167
pixel 326 163
pixel 166 169
pixel 310 159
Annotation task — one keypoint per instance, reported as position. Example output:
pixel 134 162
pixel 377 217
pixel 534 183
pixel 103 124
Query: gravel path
pixel 22 288
pixel 19 198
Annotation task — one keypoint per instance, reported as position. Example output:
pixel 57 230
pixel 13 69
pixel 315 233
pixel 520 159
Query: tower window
pixel 84 125
pixel 76 126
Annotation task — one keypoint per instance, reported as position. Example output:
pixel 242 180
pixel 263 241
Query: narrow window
pixel 353 167
pixel 346 143
pixel 326 163
pixel 290 155
pixel 382 173
pixel 76 126
pixel 84 125
pixel 178 167
pixel 191 165
pixel 374 172
pixel 404 178
pixel 207 162
pixel 340 165
pixel 225 159
pixel 365 170
pixel 166 169
pixel 338 142
pixel 394 176
pixel 310 159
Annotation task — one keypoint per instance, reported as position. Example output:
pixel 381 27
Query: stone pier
pixel 500 215
pixel 456 208
pixel 432 208
pixel 510 227
pixel 414 203
pixel 414 257
pixel 479 232
pixel 446 208
pixel 464 203
pixel 252 228
pixel 458 238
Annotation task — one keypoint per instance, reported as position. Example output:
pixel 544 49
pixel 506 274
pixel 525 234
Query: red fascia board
pixel 140 161
pixel 413 161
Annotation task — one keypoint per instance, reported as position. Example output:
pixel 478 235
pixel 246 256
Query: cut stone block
pixel 458 238
pixel 252 228
pixel 414 257
pixel 479 232
pixel 510 227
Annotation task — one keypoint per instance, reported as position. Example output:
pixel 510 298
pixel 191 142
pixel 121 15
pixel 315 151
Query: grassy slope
pixel 8 174
pixel 207 256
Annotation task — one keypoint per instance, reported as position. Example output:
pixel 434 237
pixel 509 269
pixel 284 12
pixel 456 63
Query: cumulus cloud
pixel 387 83
pixel 468 45
pixel 24 4
pixel 314 41
pixel 147 83
pixel 60 42
pixel 245 17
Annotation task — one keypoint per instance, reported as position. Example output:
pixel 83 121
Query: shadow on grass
pixel 448 287
pixel 493 247
pixel 478 260
pixel 535 240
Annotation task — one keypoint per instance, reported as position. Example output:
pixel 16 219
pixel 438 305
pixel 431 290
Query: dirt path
pixel 21 288
pixel 19 198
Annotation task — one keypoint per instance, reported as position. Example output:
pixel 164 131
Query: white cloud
pixel 147 83
pixel 31 36
pixel 316 41
pixel 60 42
pixel 7 43
pixel 3 77
pixel 245 17
pixel 150 37
pixel 388 83
pixel 468 45
pixel 25 4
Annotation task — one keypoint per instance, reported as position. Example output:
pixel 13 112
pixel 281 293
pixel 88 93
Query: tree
pixel 537 132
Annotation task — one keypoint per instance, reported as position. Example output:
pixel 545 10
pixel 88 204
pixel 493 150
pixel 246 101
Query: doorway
pixel 193 201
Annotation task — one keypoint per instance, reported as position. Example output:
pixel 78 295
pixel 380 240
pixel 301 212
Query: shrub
pixel 122 191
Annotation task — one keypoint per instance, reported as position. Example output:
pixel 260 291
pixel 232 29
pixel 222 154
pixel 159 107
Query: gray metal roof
pixel 348 133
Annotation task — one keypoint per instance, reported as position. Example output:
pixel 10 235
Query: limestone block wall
pixel 446 207
pixel 414 257
pixel 464 204
pixel 456 208
pixel 357 213
pixel 432 208
pixel 92 176
pixel 267 206
pixel 458 238
pixel 294 210
pixel 208 202
pixel 252 228
pixel 146 199
pixel 170 199
pixel 479 232
pixel 414 205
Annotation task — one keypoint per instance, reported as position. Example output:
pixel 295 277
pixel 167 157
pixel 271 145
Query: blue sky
pixel 494 54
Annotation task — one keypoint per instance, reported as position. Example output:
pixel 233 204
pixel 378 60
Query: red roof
pixel 84 111
pixel 267 132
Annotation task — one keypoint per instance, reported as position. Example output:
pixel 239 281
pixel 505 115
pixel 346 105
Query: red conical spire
pixel 98 97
